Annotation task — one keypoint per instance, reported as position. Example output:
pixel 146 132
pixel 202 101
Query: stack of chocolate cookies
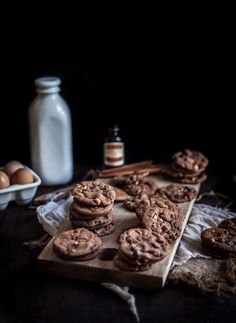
pixel 139 249
pixel 92 207
pixel 187 167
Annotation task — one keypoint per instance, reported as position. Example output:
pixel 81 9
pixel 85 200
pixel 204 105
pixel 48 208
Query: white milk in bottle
pixel 51 133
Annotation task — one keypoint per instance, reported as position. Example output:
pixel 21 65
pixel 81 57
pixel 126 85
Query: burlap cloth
pixel 190 265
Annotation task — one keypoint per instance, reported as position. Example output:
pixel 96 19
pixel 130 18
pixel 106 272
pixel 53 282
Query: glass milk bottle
pixel 50 133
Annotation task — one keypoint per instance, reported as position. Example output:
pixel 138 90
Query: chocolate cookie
pixel 141 201
pixel 190 160
pixel 135 261
pixel 229 224
pixel 90 211
pixel 73 214
pixel 220 239
pixel 120 195
pixel 132 202
pixel 123 265
pixel 174 233
pixel 157 200
pixel 119 180
pixel 94 193
pixel 191 180
pixel 144 186
pixel 180 172
pixel 178 193
pixel 172 171
pixel 129 179
pixel 158 207
pixel 152 220
pixel 79 244
pixel 95 223
pixel 105 230
pixel 143 245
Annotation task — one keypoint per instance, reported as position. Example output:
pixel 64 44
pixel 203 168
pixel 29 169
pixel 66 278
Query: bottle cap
pixel 114 128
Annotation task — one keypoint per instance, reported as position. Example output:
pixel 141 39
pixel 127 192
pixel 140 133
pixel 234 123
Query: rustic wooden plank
pixel 104 270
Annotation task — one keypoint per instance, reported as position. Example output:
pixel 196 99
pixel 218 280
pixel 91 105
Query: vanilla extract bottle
pixel 113 153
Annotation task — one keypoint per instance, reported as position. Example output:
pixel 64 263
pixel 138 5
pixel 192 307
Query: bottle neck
pixel 112 138
pixel 49 90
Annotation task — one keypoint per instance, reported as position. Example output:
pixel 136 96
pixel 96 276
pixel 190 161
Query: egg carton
pixel 21 194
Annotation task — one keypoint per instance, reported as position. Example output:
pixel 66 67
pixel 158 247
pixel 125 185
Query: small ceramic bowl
pixel 21 194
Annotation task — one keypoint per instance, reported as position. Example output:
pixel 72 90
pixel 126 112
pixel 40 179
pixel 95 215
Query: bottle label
pixel 114 154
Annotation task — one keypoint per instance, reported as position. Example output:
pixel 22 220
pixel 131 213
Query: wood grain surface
pixel 102 270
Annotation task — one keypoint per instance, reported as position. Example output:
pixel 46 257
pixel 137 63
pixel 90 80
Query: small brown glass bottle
pixel 113 149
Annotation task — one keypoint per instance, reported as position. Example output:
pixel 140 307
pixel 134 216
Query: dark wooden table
pixel 30 296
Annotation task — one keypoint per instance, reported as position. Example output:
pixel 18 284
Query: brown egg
pixel 22 176
pixel 12 166
pixel 4 180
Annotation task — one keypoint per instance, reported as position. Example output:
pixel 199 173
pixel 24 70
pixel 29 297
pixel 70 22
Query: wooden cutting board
pixel 102 268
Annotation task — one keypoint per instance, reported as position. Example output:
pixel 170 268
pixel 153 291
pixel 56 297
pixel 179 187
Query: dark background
pixel 162 103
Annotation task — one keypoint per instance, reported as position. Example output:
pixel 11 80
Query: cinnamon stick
pixel 151 169
pixel 132 166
